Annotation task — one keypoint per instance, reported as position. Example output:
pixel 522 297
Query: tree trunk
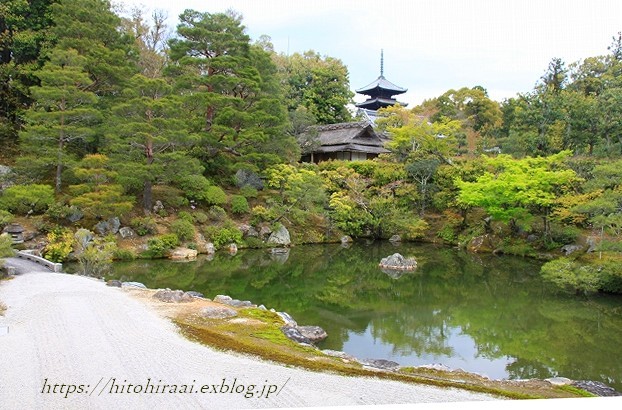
pixel 59 158
pixel 147 184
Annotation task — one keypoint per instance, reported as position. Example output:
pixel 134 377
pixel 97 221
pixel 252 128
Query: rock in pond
pixel 398 262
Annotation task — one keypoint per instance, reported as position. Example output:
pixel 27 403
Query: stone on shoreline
pixel 313 333
pixel 381 364
pixel 218 312
pixel 172 296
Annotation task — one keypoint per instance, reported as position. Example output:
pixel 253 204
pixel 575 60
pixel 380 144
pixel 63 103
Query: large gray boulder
pixel 280 237
pixel 313 333
pixel 294 334
pixel 244 177
pixel 112 226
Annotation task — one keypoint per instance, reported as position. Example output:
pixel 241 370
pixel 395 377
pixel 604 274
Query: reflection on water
pixel 484 314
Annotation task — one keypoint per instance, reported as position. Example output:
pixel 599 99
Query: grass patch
pixel 2 309
pixel 257 332
pixel 576 391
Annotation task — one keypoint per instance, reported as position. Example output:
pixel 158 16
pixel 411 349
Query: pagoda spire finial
pixel 381 62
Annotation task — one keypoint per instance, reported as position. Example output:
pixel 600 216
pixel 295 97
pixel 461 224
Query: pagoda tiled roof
pixel 381 83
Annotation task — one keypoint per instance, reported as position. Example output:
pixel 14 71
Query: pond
pixel 480 313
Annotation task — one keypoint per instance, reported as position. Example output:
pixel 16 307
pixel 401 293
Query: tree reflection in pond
pixel 482 313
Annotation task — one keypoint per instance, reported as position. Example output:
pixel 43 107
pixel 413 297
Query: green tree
pixel 62 117
pixel 92 29
pixel 22 34
pixel 230 93
pixel 513 189
pixel 319 84
pixel 147 138
pixel 98 196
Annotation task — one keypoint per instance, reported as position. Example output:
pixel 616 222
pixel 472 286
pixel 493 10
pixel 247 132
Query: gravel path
pixel 72 331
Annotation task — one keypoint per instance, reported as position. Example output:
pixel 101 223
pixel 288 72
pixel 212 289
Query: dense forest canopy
pixel 106 113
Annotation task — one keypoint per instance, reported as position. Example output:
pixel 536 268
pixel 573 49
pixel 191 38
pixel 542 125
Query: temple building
pixel 380 94
pixel 354 141
pixel 350 141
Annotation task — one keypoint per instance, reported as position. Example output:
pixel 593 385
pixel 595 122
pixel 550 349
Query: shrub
pixel 239 204
pixel 262 214
pixel 215 196
pixel 194 186
pixel 5 218
pixel 6 246
pixel 60 245
pixel 123 255
pixel 94 255
pixel 222 236
pixel 24 199
pixel 143 226
pixel 170 197
pixel 200 217
pixel 185 216
pixel 183 228
pixel 159 246
pixel 217 214
pixel 248 191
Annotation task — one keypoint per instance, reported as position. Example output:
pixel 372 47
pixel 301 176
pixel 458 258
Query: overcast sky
pixel 430 46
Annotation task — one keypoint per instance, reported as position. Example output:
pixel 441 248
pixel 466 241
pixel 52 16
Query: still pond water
pixel 481 313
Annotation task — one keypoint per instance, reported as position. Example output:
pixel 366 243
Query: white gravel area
pixel 74 331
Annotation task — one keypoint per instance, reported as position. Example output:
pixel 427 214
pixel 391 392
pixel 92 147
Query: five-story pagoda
pixel 380 93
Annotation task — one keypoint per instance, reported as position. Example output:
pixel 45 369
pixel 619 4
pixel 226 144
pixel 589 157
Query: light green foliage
pixel 347 216
pixel 60 244
pixel 214 195
pixel 144 226
pixel 183 228
pixel 24 199
pixel 221 236
pixel 239 204
pixel 5 218
pixel 95 255
pixel 160 245
pixel 248 191
pixel 298 186
pixel 260 213
pixel 6 246
pixel 511 188
pixel 413 134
